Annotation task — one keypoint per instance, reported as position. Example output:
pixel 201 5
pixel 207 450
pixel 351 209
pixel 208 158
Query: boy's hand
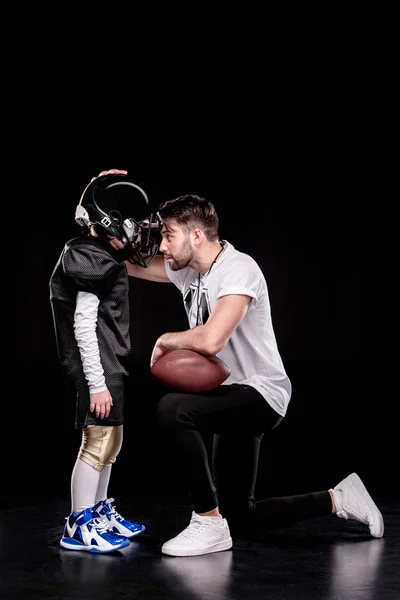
pixel 101 404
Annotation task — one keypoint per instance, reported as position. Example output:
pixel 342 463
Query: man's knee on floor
pixel 238 508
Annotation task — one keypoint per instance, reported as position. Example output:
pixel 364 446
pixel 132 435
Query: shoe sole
pixel 94 549
pixel 219 547
pixel 378 525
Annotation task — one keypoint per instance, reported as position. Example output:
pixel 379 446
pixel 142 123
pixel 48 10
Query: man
pixel 227 304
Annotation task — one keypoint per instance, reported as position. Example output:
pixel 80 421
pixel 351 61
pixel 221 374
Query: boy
pixel 90 306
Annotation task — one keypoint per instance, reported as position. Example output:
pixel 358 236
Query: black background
pixel 289 184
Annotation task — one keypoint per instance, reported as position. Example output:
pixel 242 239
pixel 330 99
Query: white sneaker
pixel 202 536
pixel 357 504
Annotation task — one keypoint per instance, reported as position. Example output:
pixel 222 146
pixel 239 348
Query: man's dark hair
pixel 191 211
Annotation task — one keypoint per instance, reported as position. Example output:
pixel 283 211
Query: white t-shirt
pixel 251 353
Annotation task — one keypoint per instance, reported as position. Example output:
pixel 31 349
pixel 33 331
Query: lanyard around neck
pixel 198 293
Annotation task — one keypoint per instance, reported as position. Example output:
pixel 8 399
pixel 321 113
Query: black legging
pixel 237 416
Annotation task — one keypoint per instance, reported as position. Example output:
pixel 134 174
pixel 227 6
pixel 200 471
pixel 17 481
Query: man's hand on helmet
pixel 110 172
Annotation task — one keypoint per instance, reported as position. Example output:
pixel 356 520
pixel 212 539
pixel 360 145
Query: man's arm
pixel 211 337
pixel 155 272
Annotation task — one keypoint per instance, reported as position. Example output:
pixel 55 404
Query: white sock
pixel 338 499
pixel 84 485
pixel 102 488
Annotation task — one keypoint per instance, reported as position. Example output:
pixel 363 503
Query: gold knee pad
pixel 100 445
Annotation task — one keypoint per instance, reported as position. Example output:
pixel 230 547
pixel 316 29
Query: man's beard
pixel 186 255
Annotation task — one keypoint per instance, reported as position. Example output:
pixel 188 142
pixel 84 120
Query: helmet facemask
pixel 144 246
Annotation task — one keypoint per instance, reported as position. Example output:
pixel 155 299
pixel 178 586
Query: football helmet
pixel 108 203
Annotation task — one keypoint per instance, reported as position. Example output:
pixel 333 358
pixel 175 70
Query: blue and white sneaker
pixel 116 523
pixel 86 531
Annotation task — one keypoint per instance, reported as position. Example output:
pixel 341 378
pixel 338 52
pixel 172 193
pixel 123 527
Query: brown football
pixel 189 371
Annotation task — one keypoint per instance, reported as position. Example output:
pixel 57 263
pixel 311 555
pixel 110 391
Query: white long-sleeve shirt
pixel 85 323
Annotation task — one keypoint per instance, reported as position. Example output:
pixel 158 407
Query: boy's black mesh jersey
pixel 90 265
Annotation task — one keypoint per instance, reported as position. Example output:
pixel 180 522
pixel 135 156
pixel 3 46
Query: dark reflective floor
pixel 326 558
